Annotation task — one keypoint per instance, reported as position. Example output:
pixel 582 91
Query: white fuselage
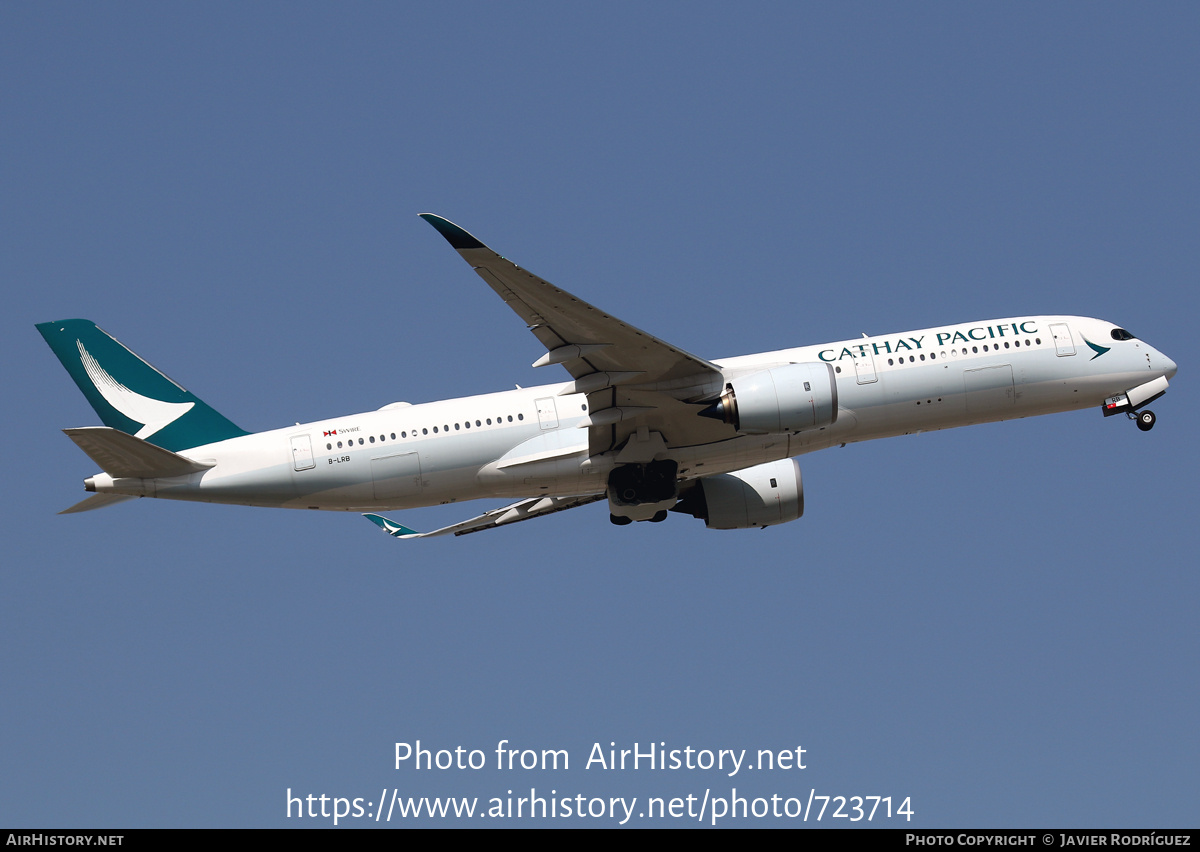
pixel 528 442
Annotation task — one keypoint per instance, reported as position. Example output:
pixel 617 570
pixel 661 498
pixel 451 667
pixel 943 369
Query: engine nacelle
pixel 791 398
pixel 758 496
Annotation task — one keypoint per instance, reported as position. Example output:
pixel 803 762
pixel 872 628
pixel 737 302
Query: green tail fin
pixel 129 394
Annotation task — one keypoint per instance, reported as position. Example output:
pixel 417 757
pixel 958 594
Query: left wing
pixel 631 378
pixel 533 507
pixel 577 335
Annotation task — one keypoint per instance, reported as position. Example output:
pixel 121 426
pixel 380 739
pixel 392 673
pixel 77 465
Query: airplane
pixel 641 424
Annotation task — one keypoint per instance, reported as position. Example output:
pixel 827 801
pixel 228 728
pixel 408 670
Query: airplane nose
pixel 1165 364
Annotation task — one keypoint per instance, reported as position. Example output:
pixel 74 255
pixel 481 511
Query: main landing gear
pixel 1145 419
pixel 642 491
pixel 621 520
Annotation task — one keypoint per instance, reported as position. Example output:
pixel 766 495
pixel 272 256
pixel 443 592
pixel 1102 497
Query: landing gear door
pixel 1116 404
pixel 1135 398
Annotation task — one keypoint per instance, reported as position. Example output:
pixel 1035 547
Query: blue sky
pixel 998 622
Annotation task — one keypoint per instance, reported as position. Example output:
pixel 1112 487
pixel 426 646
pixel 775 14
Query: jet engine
pixel 791 398
pixel 758 496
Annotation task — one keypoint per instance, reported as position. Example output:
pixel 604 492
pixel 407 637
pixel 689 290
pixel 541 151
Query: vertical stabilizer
pixel 129 394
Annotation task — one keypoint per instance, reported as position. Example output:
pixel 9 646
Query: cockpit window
pixel 1122 334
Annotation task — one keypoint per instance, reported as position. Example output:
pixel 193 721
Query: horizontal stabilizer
pixel 120 454
pixel 523 510
pixel 97 501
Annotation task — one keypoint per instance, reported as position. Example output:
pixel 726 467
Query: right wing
pixel 524 510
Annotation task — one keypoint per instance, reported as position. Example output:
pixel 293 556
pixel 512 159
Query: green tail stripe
pixel 129 394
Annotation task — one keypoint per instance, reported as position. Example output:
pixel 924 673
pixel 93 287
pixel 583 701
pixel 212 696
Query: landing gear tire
pixel 1146 420
pixel 620 520
pixel 659 517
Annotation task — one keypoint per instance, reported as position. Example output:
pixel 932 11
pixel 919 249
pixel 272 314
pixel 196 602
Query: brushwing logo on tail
pixel 154 414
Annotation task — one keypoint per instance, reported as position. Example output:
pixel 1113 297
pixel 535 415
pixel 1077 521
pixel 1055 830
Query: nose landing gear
pixel 1130 403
